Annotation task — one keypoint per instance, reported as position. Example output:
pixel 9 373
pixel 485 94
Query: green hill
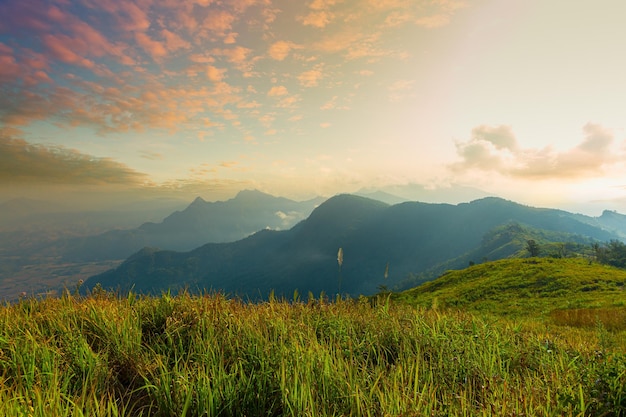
pixel 524 287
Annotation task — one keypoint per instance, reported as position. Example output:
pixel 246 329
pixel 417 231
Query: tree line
pixel 611 253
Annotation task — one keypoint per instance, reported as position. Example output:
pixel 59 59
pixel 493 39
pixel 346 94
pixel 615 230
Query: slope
pixel 529 286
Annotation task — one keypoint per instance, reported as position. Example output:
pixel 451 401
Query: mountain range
pixel 44 246
pixel 383 246
pixel 200 222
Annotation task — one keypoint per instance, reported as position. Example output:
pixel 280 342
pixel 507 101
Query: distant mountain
pixel 452 194
pixel 383 196
pixel 613 221
pixel 410 237
pixel 201 222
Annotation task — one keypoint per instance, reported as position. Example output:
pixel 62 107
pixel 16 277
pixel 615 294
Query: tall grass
pixel 209 355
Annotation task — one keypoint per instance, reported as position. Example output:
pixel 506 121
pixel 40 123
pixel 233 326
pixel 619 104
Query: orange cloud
pixel 317 19
pixel 310 78
pixel 215 74
pixel 217 24
pixel 277 91
pixel 280 50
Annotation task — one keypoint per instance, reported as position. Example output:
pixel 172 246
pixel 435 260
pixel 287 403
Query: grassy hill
pixel 524 287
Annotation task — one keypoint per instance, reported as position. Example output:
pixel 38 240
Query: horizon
pixel 178 204
pixel 118 102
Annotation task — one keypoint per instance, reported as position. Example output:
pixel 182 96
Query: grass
pixel 184 355
pixel 529 287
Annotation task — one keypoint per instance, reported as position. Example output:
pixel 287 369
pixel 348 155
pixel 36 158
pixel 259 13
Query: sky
pixel 105 100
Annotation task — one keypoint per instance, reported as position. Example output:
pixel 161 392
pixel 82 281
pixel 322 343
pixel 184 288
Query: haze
pixel 109 101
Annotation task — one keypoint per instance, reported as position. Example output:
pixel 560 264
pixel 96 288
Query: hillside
pixel 412 238
pixel 529 286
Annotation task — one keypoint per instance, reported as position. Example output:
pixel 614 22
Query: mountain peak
pixel 198 200
pixel 344 209
pixel 243 194
pixel 611 214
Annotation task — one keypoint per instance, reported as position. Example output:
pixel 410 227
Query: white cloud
pixel 495 149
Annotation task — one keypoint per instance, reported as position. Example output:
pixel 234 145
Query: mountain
pixel 201 222
pixel 613 221
pixel 506 241
pixel 383 196
pixel 529 286
pixel 452 194
pixel 410 237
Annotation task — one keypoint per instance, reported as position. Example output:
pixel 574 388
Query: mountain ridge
pixel 411 237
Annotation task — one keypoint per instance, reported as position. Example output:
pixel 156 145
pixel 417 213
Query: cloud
pixel 501 137
pixel 310 78
pixel 153 156
pixel 9 68
pixel 277 91
pixel 320 15
pixel 333 105
pixel 495 149
pixel 238 56
pixel 218 23
pixel 280 50
pixel 67 50
pixel 173 41
pixel 289 218
pixel 117 66
pixel 400 90
pixel 24 163
pixel 215 74
pixel 317 19
pixel 434 21
pixel 155 49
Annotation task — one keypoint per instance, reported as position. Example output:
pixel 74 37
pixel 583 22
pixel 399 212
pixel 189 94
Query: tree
pixel 532 247
pixel 611 253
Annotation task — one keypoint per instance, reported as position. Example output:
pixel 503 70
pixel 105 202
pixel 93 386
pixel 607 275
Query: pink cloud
pixel 25 15
pixel 129 16
pixel 173 41
pixel 65 49
pixel 98 45
pixel 35 60
pixel 9 69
